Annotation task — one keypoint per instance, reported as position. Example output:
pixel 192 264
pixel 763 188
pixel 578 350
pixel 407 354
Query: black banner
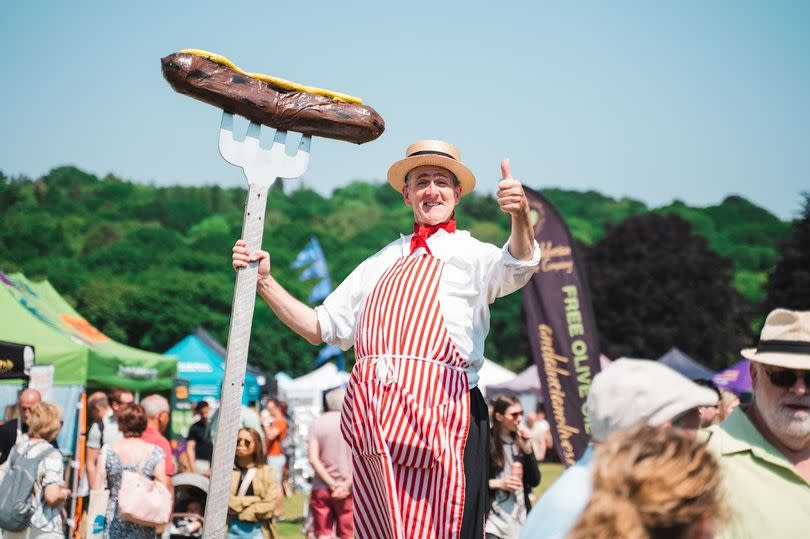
pixel 561 330
pixel 15 360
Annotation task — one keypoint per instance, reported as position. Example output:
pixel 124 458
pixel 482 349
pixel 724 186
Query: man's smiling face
pixel 433 193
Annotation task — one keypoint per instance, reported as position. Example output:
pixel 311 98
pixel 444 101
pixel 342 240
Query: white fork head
pixel 262 165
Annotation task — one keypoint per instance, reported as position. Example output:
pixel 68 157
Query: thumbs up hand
pixel 511 197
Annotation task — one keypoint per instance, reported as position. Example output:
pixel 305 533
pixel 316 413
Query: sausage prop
pixel 271 101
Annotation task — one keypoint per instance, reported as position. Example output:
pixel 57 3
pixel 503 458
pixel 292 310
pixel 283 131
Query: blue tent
pixel 685 365
pixel 200 364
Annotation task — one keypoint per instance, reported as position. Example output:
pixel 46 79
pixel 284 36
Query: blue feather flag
pixel 309 254
pixel 313 262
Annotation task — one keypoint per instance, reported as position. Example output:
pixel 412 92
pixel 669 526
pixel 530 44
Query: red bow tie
pixel 422 232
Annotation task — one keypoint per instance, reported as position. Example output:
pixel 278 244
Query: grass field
pixel 290 526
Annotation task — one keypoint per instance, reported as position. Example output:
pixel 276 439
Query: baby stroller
pixel 190 494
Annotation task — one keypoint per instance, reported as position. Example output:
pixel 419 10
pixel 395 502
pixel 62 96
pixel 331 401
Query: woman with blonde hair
pixel 652 483
pixel 44 423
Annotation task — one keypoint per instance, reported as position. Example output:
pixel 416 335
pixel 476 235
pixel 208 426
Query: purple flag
pixel 561 330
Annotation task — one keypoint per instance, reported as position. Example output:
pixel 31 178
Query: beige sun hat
pixel 436 153
pixel 784 341
pixel 634 391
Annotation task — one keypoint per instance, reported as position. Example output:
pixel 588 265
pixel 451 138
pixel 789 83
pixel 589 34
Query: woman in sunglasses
pixel 254 490
pixel 513 470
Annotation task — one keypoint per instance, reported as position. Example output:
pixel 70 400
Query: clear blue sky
pixel 689 100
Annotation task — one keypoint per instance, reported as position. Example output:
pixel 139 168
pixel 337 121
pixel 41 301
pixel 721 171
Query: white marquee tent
pixel 307 390
pixel 492 374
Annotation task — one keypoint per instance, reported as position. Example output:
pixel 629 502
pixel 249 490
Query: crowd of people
pixel 712 468
pixel 416 451
pixel 670 457
pixel 128 437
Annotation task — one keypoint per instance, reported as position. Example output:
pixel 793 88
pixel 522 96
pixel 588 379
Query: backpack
pixel 17 502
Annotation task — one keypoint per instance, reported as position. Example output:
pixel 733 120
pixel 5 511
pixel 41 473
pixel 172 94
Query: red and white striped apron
pixel 406 413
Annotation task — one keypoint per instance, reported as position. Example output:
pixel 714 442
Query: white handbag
pixel 97 505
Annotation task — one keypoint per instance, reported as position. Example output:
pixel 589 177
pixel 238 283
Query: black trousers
pixel 476 469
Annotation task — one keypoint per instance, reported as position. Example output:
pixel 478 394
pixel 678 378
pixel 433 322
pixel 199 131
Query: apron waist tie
pixel 386 370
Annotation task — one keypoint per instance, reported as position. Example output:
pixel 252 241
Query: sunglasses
pixel 515 415
pixel 244 442
pixel 785 378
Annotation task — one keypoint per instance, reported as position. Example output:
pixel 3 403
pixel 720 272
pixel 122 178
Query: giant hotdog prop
pixel 283 105
pixel 271 101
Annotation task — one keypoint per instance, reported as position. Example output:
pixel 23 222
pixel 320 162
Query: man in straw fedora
pixel 764 448
pixel 417 314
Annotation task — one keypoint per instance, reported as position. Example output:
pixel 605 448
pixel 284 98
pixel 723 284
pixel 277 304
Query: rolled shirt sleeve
pixel 507 274
pixel 52 469
pixel 94 437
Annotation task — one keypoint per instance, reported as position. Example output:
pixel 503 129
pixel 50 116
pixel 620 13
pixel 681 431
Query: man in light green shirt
pixel 764 449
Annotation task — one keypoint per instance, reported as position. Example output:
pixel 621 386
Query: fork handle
pixel 244 301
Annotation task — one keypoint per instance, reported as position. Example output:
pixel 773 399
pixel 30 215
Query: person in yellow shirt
pixel 764 448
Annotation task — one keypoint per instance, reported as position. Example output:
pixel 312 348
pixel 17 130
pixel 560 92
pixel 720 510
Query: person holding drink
pixel 513 470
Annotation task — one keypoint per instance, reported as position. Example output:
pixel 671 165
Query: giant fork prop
pixel 262 166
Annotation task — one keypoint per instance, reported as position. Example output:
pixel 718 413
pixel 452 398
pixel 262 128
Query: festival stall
pixel 493 374
pixel 306 391
pixel 201 363
pixel 203 367
pixel 526 382
pixel 525 385
pixel 736 378
pixel 257 378
pixel 81 356
pixel 681 363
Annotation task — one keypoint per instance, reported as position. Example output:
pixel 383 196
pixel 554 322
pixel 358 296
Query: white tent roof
pixel 527 381
pixel 306 390
pixel 324 377
pixel 491 374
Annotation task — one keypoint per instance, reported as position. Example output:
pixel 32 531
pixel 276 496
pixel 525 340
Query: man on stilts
pixel 417 314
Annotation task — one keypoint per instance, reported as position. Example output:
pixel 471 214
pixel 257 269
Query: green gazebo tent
pixel 35 313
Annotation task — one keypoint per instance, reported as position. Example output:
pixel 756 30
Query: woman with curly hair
pixel 652 483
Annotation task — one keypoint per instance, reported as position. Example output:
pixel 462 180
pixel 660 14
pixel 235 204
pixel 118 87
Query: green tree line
pixel 148 264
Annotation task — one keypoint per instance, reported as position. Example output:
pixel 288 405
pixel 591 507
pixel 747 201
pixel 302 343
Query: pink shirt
pixel 333 450
pixel 153 436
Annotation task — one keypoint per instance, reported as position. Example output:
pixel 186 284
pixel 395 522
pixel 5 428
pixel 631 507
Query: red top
pixel 153 436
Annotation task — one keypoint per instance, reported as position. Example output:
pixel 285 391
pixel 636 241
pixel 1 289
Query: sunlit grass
pixel 290 526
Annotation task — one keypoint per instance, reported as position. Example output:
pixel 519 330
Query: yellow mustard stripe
pixel 274 81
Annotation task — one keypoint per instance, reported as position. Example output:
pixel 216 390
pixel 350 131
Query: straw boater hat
pixel 784 341
pixel 431 152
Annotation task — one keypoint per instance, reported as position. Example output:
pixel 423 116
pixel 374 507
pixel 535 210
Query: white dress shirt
pixel 474 275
